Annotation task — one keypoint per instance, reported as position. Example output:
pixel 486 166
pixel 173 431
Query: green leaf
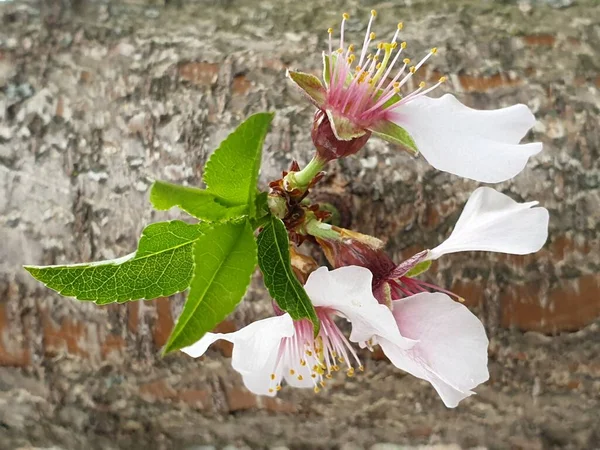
pixel 196 202
pixel 420 268
pixel 162 266
pixel 225 257
pixel 282 284
pixel 231 173
pixel 395 134
pixel 310 85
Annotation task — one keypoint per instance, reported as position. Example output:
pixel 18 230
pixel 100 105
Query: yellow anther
pixel 302 362
pixel 350 372
pixel 313 375
pixel 396 85
pixel 316 389
pixel 315 368
pixel 333 354
pixel 378 66
pixel 340 359
pixel 394 45
pixel 406 60
pixel 372 36
pixel 308 353
pixel 351 48
pixel 272 376
pixel 369 56
pixel 336 368
pixel 270 390
pixel 340 50
pixel 346 16
pixel 300 378
pixel 322 383
pixel 361 368
pixel 422 84
pixel 413 69
pixel 320 371
pixel 351 59
pixel 380 46
pixel 278 387
pixel 358 68
pixel 400 25
pixel 403 45
pixel 434 50
pixel 461 299
pixel 443 79
pixel 374 13
pixel 329 376
pixel 376 58
pixel 330 30
pixel 292 371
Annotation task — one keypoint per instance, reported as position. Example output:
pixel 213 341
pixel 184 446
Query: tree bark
pixel 97 100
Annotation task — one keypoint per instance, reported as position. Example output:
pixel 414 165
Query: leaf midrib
pixel 184 324
pixel 287 273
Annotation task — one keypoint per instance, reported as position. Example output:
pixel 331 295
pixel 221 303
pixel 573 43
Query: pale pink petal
pixel 253 345
pixel 494 222
pixel 481 145
pixel 348 291
pixel 451 352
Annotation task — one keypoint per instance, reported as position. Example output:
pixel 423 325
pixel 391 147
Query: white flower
pixel 270 350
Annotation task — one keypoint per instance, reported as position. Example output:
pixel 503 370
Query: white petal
pixel 494 222
pixel 452 350
pixel 253 345
pixel 348 291
pixel 260 382
pixel 481 145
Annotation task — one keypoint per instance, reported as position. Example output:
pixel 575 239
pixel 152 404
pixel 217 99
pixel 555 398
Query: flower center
pixel 306 361
pixel 364 92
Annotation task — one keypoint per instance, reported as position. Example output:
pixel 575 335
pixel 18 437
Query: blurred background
pixel 98 99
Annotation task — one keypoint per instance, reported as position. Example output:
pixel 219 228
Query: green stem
pixel 321 230
pixel 301 180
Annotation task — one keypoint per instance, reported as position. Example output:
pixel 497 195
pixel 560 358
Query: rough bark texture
pixel 98 100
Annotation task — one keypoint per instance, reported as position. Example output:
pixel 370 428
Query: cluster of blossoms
pixel 423 329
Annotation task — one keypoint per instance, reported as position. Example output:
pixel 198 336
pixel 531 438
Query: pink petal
pixel 451 352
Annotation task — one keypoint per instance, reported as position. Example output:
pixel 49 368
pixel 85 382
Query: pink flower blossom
pixel 367 93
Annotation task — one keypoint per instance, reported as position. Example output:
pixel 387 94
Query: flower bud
pixel 328 146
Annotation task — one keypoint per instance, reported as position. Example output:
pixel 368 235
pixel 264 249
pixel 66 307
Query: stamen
pixel 367 41
pixel 345 17
pixel 392 64
pixel 398 30
pixel 330 32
